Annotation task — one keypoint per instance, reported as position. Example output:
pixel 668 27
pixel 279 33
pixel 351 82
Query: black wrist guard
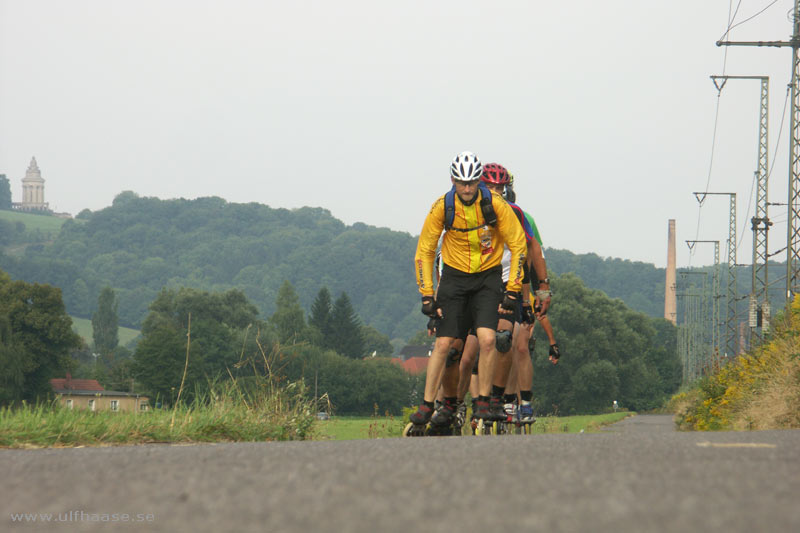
pixel 510 300
pixel 429 306
pixel 555 353
pixel 527 314
pixel 433 323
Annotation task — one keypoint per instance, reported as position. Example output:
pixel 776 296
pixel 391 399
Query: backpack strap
pixel 486 204
pixel 487 209
pixel 449 208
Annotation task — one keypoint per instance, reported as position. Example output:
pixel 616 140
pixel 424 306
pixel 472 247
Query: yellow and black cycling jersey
pixel 477 249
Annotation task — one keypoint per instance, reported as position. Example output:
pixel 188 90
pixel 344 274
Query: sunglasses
pixel 465 183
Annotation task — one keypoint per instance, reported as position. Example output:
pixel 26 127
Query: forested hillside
pixel 292 278
pixel 139 245
pixel 639 285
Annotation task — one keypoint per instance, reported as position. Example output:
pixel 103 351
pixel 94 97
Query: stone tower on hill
pixel 33 190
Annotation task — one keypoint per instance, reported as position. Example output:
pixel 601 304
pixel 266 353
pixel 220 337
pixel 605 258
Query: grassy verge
pixel 354 428
pixel 757 390
pixel 229 413
pixel 578 423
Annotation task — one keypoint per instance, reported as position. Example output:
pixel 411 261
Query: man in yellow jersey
pixel 478 224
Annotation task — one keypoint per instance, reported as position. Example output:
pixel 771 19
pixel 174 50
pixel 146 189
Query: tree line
pixel 140 245
pixel 222 337
pixel 610 352
pixel 147 251
pixel 220 334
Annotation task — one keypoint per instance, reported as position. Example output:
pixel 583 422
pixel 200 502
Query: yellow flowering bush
pixel 761 384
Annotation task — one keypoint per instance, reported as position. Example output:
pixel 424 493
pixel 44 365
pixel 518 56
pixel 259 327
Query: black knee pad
pixel 502 340
pixel 453 358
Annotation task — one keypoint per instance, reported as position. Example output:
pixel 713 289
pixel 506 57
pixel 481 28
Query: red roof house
pixel 61 385
pixel 89 394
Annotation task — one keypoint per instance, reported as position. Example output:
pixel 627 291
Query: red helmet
pixel 495 173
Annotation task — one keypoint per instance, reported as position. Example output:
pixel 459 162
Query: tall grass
pixel 253 408
pixel 226 413
pixel 758 390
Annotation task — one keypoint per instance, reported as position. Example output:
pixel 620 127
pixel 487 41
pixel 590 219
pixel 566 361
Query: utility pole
pixel 793 222
pixel 715 297
pixel 730 321
pixel 759 300
pixel 691 334
pixel 670 298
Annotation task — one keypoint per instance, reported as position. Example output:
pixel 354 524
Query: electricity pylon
pixel 730 320
pixel 715 297
pixel 691 333
pixel 759 297
pixel 793 222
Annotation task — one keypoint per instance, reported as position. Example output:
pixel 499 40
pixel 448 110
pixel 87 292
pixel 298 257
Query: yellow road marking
pixel 707 444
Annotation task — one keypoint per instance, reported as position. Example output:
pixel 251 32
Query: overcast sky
pixel 603 110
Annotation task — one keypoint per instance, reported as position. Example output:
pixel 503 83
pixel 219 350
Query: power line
pixel 747 19
pixel 716 120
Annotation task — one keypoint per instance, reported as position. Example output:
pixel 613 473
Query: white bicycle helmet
pixel 466 167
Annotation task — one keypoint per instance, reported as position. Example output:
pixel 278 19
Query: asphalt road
pixel 639 476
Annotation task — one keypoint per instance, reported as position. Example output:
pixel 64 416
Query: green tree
pixel 12 365
pixel 595 386
pixel 213 325
pixel 288 319
pixel 5 192
pixel 375 342
pixel 7 232
pixel 38 338
pixel 420 338
pixel 346 329
pixel 105 323
pixel 80 297
pixel 320 316
pixel 591 329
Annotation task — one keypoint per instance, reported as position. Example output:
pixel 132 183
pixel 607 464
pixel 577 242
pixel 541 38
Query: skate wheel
pixel 412 430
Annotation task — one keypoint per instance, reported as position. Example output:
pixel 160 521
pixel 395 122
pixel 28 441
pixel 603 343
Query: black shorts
pixel 468 301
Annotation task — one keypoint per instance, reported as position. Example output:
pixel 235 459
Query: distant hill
pixel 640 285
pixel 139 245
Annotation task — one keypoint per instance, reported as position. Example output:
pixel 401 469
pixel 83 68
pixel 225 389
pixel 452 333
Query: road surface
pixel 638 476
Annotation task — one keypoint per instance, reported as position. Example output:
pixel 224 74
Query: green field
pixel 47 225
pixel 354 428
pixel 83 327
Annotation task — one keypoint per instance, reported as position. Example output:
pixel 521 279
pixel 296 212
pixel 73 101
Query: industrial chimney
pixel 670 298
